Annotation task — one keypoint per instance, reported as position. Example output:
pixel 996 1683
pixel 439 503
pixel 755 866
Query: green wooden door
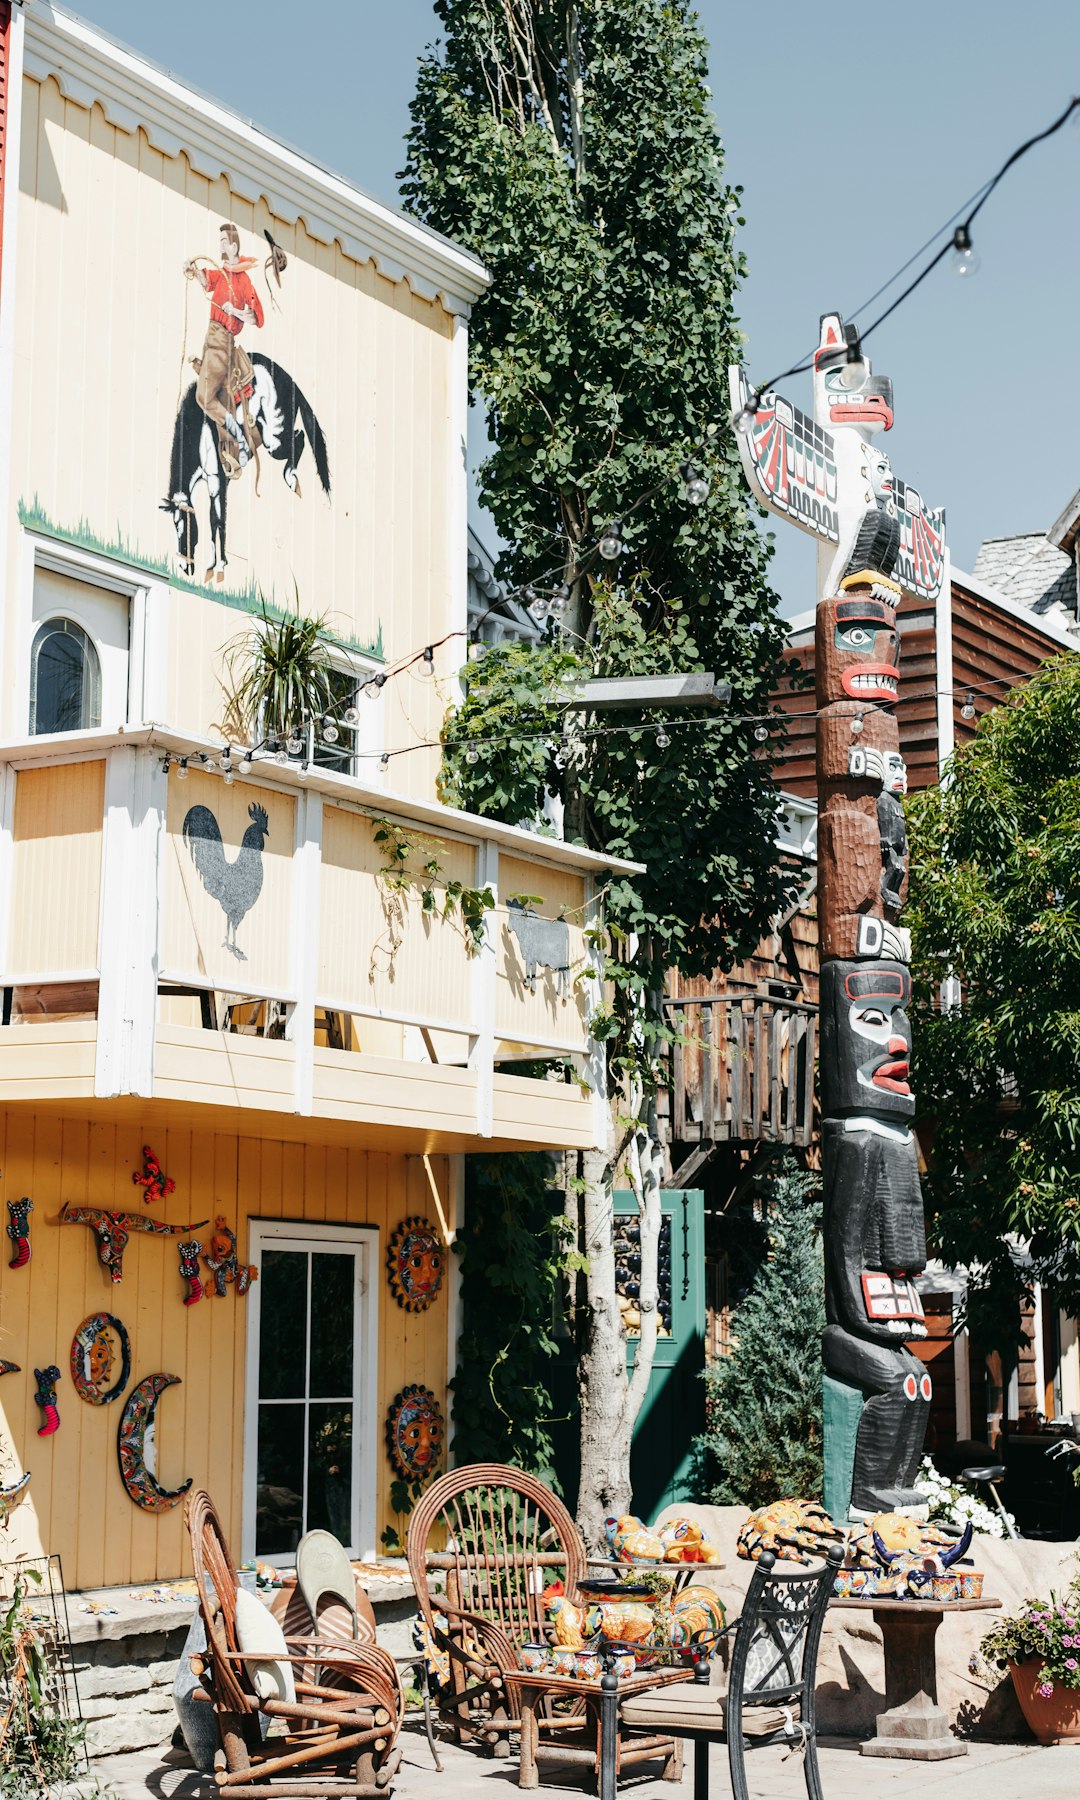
pixel 673 1413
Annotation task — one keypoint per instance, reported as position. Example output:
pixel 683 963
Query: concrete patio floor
pixel 990 1772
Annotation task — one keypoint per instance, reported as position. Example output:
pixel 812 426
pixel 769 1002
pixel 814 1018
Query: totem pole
pixel 876 542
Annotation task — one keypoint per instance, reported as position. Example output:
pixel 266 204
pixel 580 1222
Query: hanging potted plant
pixel 1040 1647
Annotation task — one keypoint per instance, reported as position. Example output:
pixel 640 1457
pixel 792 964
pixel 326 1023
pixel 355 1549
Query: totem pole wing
pixel 920 566
pixel 789 461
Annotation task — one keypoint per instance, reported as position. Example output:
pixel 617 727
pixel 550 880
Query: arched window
pixel 65 679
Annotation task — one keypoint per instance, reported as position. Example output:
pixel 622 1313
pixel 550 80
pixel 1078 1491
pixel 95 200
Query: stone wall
pixel 125 1660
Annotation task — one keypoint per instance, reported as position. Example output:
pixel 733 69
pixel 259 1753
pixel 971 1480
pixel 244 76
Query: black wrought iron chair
pixel 767 1695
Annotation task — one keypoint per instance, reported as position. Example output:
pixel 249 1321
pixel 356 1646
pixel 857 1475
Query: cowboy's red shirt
pixel 233 286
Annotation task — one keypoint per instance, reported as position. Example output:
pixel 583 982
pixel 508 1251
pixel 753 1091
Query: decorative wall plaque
pixel 99 1368
pixel 415 1430
pixel 416 1262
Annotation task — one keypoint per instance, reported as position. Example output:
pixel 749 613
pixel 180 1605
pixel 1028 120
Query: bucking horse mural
pixel 239 406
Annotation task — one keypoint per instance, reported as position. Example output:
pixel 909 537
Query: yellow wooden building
pixel 306 1049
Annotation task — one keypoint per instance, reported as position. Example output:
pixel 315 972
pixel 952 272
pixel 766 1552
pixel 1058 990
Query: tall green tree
pixel 570 143
pixel 995 906
pixel 763 1436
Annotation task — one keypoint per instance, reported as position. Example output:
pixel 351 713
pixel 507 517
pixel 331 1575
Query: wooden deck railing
pixel 742 1069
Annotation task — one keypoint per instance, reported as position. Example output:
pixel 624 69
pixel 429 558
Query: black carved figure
pixel 865 1039
pixel 874 1247
pixel 894 851
pixel 235 886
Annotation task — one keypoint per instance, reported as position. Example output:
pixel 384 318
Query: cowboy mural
pixel 239 406
pixel 226 377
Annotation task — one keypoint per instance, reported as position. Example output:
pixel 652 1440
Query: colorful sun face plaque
pixel 416 1262
pixel 99 1367
pixel 415 1429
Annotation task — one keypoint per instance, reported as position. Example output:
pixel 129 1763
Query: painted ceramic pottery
pixel 96 1373
pixel 1054 1718
pixel 632 1541
pixel 137 1450
pixel 563 1660
pixel 533 1657
pixel 624 1621
pixel 695 1613
pixel 416 1262
pixel 415 1429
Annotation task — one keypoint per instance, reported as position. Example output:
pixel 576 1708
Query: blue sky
pixel 855 132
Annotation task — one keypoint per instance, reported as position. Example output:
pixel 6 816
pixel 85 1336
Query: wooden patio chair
pixel 506 1537
pixel 342 1728
pixel 767 1696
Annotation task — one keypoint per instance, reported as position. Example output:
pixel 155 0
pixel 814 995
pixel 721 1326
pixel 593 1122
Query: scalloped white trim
pixel 134 94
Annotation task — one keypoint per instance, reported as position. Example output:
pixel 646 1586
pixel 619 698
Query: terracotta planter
pixel 1054 1721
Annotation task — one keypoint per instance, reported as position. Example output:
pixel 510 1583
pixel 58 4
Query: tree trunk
pixel 610 1399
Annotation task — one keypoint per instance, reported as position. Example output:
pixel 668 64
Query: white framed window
pixel 65 678
pixel 311 1440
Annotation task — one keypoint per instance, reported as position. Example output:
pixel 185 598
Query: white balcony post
pixel 306 925
pixel 485 971
pixel 136 790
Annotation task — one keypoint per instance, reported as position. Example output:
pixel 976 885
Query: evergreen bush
pixel 763 1436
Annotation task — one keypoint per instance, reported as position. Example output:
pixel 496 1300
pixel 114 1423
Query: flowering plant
pixel 956 1505
pixel 1048 1629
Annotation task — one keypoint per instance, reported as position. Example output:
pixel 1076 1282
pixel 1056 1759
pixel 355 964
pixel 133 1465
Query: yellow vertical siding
pixel 105 224
pixel 56 868
pixel 77 1504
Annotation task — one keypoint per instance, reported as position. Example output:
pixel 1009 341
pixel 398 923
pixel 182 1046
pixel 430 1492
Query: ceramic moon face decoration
pixel 137 1447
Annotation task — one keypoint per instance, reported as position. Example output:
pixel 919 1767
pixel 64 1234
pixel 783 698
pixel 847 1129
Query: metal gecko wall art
pixel 877 541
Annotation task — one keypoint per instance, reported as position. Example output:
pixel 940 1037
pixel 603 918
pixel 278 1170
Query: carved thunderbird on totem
pixel 877 542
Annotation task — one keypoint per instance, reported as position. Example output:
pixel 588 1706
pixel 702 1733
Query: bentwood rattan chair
pixel 767 1696
pixel 342 1728
pixel 494 1538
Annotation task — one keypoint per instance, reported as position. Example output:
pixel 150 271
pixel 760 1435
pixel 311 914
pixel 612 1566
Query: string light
pixel 351 716
pixel 429 661
pixel 856 724
pixel 663 742
pixel 302 771
pixel 967 711
pixel 695 485
pixel 244 764
pixel 294 743
pixel 181 769
pixel 384 760
pixel 227 775
pixel 472 754
pixel 374 687
pixel 329 729
pixel 964 258
pixel 610 544
pixel 761 732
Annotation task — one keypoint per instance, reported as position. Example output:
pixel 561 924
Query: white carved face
pixel 879 470
pixel 894 776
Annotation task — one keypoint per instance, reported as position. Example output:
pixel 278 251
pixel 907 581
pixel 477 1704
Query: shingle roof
pixel 1030 569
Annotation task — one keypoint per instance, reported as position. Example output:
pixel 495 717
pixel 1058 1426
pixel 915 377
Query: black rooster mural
pixel 235 886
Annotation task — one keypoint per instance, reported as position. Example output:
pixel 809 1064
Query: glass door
pixel 309 1450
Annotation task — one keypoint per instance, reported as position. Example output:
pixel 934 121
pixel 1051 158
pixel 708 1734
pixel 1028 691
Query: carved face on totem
pixel 848 392
pixel 884 766
pixel 855 652
pixel 866 1039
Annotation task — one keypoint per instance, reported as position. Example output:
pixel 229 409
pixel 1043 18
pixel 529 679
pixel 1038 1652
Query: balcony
pixel 174 941
pixel 741 1070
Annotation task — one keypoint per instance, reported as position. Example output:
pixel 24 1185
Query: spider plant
pixel 278 676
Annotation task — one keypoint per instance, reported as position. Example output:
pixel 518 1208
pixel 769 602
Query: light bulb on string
pixel 663 742
pixel 472 754
pixel 477 652
pixel 856 724
pixel 181 769
pixel 294 743
pixel 302 771
pixel 743 421
pixel 761 731
pixel 351 716
pixel 560 599
pixel 427 662
pixel 228 775
pixel 610 544
pixel 226 760
pixel 967 711
pixel 329 729
pixel 373 688
pixel 963 256
pixel 384 760
pixel 695 486
pixel 244 764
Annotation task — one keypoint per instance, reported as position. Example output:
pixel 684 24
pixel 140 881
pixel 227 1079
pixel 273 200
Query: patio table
pixel 601 1697
pixel 913 1724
